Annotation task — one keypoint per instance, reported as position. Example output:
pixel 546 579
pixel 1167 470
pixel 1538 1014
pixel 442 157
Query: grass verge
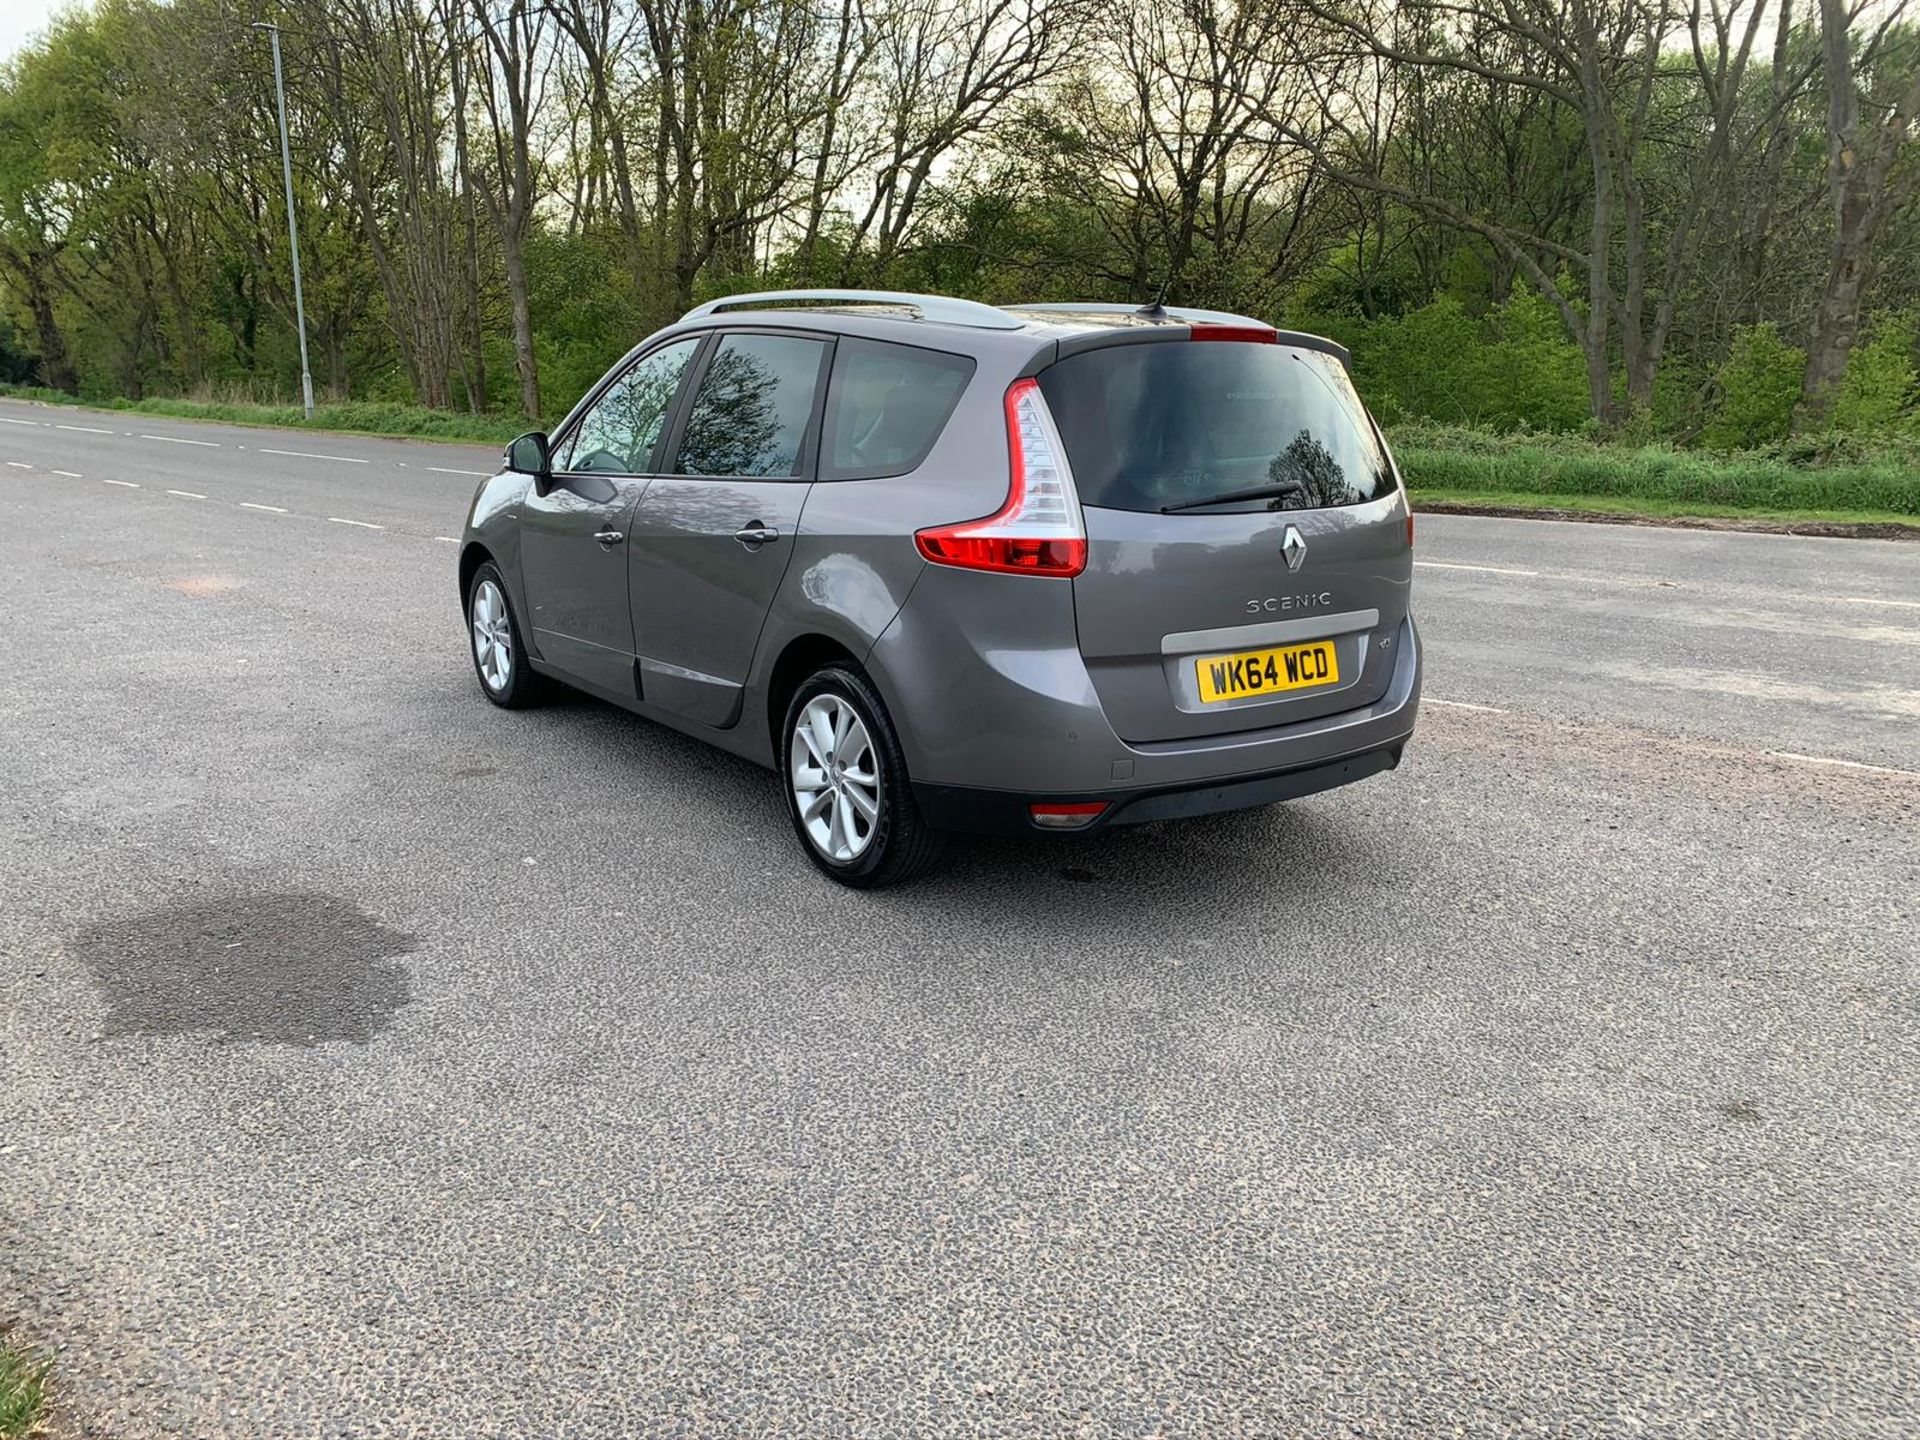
pixel 1874 524
pixel 355 417
pixel 1838 480
pixel 23 1392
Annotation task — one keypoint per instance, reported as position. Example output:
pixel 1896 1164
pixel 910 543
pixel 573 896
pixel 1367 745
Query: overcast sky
pixel 21 19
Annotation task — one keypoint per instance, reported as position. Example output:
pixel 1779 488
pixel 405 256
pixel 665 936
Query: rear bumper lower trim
pixel 971 810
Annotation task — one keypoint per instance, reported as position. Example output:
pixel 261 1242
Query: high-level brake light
pixel 1039 531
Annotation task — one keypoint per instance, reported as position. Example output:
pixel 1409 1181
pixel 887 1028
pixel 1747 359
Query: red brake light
pixel 1039 530
pixel 1248 334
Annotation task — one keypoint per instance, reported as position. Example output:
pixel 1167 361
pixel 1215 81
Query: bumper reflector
pixel 1067 817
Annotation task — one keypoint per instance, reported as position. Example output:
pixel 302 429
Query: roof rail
pixel 941 309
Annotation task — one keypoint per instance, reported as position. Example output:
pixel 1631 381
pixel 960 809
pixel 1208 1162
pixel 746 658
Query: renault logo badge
pixel 1294 548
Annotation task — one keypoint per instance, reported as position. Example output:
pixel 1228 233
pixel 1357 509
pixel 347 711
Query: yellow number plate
pixel 1258 672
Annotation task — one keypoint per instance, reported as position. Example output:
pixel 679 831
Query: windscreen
pixel 1165 424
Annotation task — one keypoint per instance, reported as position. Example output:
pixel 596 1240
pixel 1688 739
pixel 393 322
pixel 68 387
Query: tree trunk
pixel 1857 169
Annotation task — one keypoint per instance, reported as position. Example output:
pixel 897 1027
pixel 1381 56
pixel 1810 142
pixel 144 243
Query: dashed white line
pixel 1841 764
pixel 270 509
pixel 85 429
pixel 443 470
pixel 125 484
pixel 70 474
pixel 448 539
pixel 182 440
pixel 1467 705
pixel 1876 600
pixel 1482 569
pixel 363 524
pixel 309 455
pixel 187 494
pixel 9 420
pixel 19 464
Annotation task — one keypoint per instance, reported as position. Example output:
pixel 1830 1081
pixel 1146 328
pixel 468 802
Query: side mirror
pixel 531 455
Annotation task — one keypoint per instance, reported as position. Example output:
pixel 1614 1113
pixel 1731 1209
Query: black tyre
pixel 846 784
pixel 493 635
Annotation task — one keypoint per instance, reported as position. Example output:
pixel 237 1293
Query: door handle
pixel 755 535
pixel 609 537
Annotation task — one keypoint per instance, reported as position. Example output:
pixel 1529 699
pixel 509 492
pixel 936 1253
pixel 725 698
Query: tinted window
pixel 617 436
pixel 1152 425
pixel 887 406
pixel 750 414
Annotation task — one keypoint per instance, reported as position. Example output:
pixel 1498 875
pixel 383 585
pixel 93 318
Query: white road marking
pixel 1842 764
pixel 19 464
pixel 443 470
pixel 309 455
pixel 270 509
pixel 1467 705
pixel 1876 600
pixel 187 494
pixel 363 524
pixel 1483 569
pixel 8 419
pixel 181 440
pixel 85 429
pixel 125 484
pixel 449 539
pixel 70 474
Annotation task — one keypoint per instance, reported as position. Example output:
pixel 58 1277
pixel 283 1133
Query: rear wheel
pixel 846 783
pixel 499 656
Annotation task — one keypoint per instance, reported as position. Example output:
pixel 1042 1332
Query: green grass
pixel 1425 496
pixel 359 417
pixel 1824 481
pixel 23 1392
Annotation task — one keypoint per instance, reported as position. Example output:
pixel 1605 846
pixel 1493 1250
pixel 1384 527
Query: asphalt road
pixel 374 1062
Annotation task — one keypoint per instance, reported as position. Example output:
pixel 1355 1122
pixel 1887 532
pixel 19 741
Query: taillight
pixel 1409 527
pixel 1039 530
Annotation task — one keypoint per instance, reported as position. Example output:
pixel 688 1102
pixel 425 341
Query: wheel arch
pixel 472 556
pixel 801 656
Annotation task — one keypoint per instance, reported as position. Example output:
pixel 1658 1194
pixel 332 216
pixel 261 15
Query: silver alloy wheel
pixel 492 637
pixel 836 777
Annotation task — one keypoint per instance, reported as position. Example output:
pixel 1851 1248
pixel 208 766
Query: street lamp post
pixel 293 225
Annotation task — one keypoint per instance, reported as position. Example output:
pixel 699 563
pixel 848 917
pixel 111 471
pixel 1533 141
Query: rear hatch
pixel 1199 615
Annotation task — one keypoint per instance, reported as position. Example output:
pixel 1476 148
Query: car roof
pixel 946 322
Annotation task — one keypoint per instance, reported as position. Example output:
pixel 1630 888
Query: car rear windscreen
pixel 1167 423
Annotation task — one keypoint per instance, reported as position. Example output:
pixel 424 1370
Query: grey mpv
pixel 952 567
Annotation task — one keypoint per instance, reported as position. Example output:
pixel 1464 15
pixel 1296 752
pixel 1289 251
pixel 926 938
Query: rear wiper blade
pixel 1263 492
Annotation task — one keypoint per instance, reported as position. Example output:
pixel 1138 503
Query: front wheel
pixel 847 787
pixel 499 655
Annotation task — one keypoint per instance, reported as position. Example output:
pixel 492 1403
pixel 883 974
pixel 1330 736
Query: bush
pixel 1513 368
pixel 1879 388
pixel 1758 388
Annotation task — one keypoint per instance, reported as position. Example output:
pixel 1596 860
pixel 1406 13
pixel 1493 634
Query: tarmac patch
pixel 288 968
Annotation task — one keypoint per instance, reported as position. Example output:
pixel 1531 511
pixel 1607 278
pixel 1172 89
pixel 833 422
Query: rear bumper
pixel 985 682
pixel 1002 812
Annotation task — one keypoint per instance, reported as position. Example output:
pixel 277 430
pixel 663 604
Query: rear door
pixel 573 554
pixel 711 540
pixel 1199 615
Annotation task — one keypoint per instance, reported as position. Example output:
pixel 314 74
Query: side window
pixel 750 415
pixel 617 436
pixel 887 406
